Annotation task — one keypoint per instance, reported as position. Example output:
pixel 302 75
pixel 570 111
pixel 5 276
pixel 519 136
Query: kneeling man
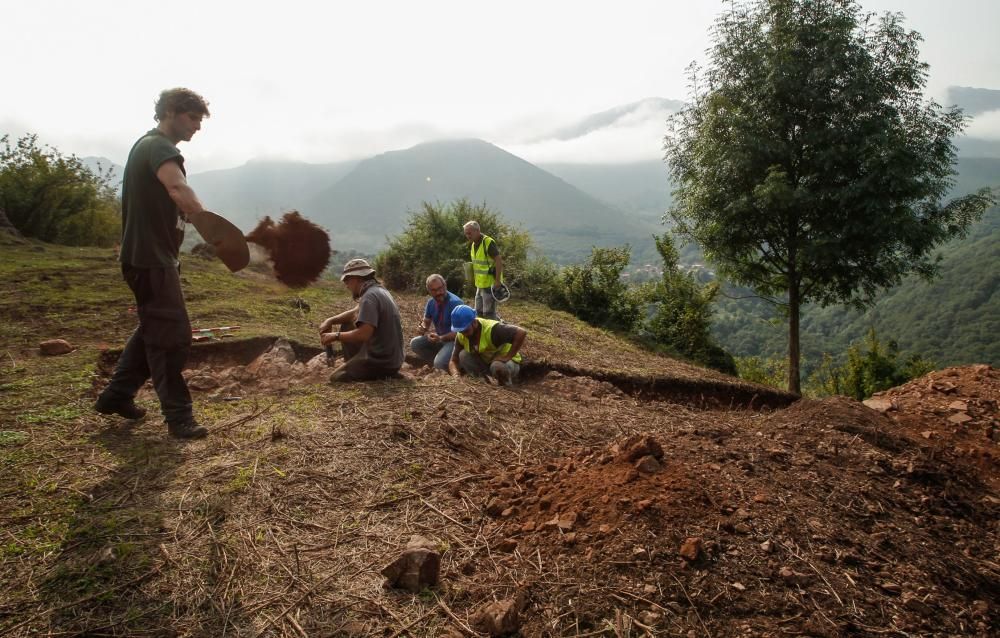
pixel 485 347
pixel 435 345
pixel 371 332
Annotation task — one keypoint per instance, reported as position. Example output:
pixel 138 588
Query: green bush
pixel 871 367
pixel 56 198
pixel 594 291
pixel 433 242
pixel 682 312
pixel 765 371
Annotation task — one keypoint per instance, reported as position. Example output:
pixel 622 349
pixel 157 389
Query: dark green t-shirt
pixel 152 226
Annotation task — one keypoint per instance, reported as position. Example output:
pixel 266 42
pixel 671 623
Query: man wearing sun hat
pixel 371 332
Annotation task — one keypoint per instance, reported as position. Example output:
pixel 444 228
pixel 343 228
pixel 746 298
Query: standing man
pixel 156 203
pixel 487 268
pixel 435 346
pixel 484 347
pixel 371 331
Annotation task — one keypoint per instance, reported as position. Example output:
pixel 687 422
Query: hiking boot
pixel 187 429
pixel 125 409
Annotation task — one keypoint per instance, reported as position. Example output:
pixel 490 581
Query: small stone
pixel 416 568
pixel 507 545
pixel 566 521
pixel 960 417
pixel 650 618
pixel 650 589
pixel 927 434
pixel 55 347
pixel 742 528
pixel 767 547
pixel 528 527
pixel 739 587
pixel 635 447
pixel 496 506
pixel 604 529
pixel 691 548
pixel 640 553
pixel 507 513
pixel 958 406
pixel 648 465
pixel 569 539
pixel 879 405
pixel 644 504
pixel 890 587
pixel 760 497
pixel 500 618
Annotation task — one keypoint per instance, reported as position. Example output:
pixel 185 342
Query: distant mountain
pixel 371 202
pixel 247 193
pixel 101 164
pixel 643 109
pixel 974 101
pixel 642 188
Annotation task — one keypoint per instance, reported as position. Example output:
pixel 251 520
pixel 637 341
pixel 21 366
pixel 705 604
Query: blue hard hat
pixel 462 317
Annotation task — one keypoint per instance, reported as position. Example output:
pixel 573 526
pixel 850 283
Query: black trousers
pixel 159 346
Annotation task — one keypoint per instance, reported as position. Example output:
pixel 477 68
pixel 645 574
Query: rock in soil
pixel 417 567
pixel 54 347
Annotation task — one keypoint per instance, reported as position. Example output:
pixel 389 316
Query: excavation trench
pixel 225 368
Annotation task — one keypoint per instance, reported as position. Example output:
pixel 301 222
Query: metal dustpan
pixel 228 240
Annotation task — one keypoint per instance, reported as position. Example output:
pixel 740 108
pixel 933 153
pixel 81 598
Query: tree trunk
pixel 793 338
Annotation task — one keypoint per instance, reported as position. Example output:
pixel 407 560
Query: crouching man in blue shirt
pixel 437 339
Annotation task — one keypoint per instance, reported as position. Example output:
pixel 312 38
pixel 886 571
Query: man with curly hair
pixel 156 204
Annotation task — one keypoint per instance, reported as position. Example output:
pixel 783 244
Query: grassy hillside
pixel 752 522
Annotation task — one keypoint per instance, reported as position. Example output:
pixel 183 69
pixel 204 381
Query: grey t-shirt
pixel 152 227
pixel 378 309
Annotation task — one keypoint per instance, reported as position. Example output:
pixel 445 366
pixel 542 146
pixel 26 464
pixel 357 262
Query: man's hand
pixel 328 338
pixel 453 369
pixel 326 325
pixel 433 337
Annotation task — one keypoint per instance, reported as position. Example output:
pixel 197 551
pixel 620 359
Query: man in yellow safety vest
pixel 485 347
pixel 487 268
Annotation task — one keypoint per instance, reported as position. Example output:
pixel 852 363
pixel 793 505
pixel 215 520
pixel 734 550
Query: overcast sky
pixel 323 81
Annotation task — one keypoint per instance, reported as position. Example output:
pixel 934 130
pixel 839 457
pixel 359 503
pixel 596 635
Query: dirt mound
pixel 579 388
pixel 274 370
pixel 954 410
pixel 298 248
pixel 582 500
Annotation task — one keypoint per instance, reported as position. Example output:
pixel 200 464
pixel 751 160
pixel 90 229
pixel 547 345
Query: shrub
pixel 765 371
pixel 870 367
pixel 433 241
pixel 594 291
pixel 682 312
pixel 56 198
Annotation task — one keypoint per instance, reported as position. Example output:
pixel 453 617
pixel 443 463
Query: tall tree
pixel 808 164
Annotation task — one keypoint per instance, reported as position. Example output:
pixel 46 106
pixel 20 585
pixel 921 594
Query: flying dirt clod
pixel 298 249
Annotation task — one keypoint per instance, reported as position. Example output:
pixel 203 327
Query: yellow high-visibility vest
pixel 487 351
pixel 481 263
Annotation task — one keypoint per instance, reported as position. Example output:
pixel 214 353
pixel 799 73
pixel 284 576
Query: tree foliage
pixel 682 311
pixel 56 198
pixel 433 242
pixel 808 164
pixel 870 368
pixel 594 291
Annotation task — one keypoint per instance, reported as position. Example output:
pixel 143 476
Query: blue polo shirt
pixel 440 314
